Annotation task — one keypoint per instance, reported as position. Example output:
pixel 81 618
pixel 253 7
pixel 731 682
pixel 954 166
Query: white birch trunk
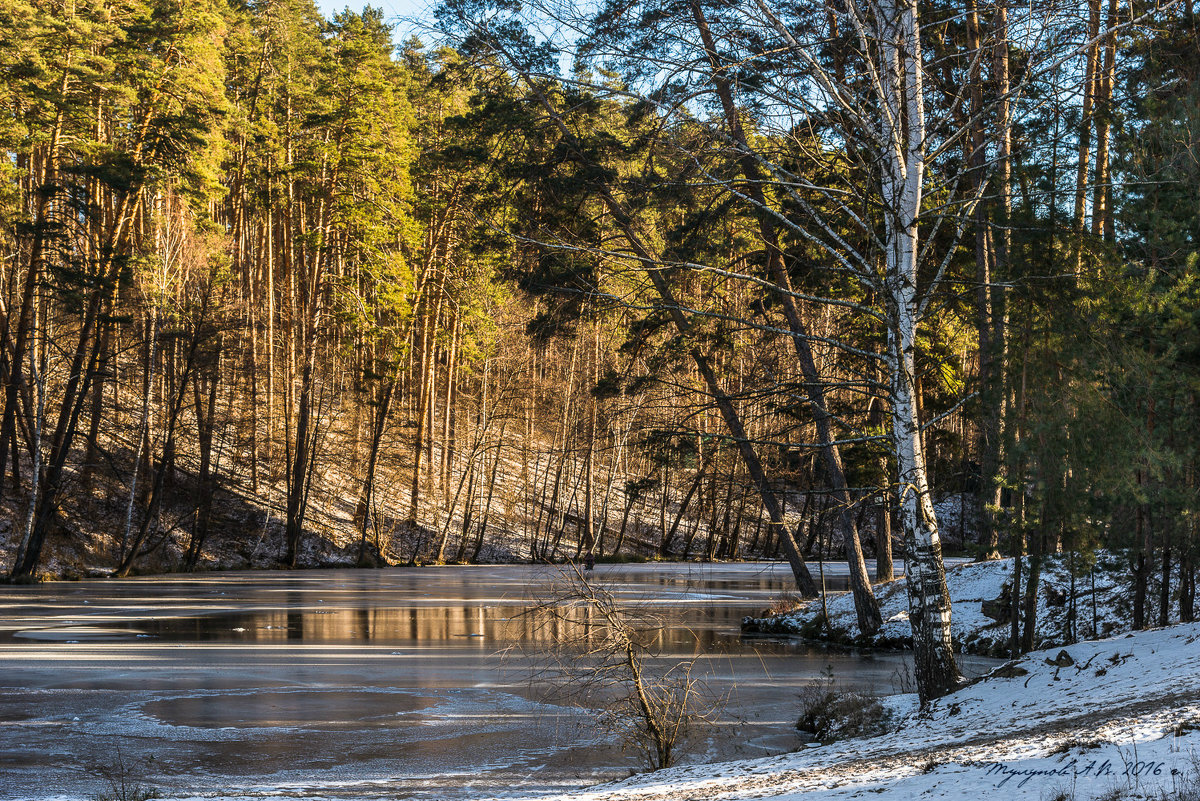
pixel 902 177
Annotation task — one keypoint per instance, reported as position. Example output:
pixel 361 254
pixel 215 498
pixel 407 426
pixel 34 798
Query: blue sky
pixel 409 16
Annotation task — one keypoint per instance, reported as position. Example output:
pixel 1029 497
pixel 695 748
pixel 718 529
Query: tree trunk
pixel 37 248
pixel 301 457
pixel 487 506
pixel 142 451
pixel 81 369
pixel 1102 213
pixel 160 473
pixel 362 512
pixel 1032 585
pixel 865 604
pixel 1085 129
pixel 205 418
pixel 1187 583
pixel 902 184
pixel 1140 567
pixel 664 547
pixel 991 254
pixel 1164 586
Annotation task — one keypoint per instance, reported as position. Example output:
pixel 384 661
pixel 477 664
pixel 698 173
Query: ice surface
pixel 397 683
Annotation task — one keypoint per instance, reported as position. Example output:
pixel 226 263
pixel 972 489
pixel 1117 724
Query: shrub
pixel 787 601
pixel 605 653
pixel 122 782
pixel 829 713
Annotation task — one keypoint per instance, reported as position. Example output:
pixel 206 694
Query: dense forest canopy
pixel 675 278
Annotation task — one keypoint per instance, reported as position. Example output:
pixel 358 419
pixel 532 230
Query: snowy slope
pixel 970 585
pixel 1119 721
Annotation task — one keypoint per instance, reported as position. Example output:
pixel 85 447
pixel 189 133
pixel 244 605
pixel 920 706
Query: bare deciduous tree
pixel 605 655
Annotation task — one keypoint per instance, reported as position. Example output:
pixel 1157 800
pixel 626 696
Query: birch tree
pixel 847 188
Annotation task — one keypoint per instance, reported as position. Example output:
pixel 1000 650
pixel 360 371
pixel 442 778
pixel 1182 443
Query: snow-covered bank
pixel 1121 721
pixel 1101 608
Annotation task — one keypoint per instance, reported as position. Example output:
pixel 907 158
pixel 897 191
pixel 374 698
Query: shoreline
pixel 1121 722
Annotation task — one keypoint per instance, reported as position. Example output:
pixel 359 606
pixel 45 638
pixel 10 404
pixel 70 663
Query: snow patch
pixel 1122 719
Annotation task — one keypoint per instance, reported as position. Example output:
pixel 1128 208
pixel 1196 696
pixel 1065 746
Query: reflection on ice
pixel 77 633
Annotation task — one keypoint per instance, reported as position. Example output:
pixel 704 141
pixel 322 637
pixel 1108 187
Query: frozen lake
pixel 397 683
